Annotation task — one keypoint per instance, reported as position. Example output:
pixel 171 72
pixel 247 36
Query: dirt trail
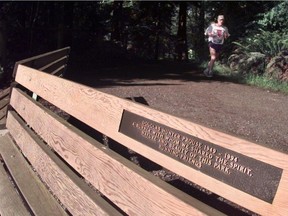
pixel 255 114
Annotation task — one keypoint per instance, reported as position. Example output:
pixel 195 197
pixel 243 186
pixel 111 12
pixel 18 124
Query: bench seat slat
pixel 75 195
pixel 10 201
pixel 36 195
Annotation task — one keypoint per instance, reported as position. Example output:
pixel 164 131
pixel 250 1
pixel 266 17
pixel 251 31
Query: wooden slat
pixel 2 124
pixel 40 61
pixel 4 93
pixel 118 179
pixel 59 71
pixel 40 201
pixel 10 201
pixel 104 112
pixel 4 101
pixel 75 195
pixel 3 112
pixel 55 65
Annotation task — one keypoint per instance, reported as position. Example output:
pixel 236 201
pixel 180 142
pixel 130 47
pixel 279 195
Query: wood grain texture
pixel 103 112
pixel 40 201
pixel 10 201
pixel 75 195
pixel 124 183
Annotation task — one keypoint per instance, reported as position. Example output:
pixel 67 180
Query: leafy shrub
pixel 261 51
pixel 276 18
pixel 278 67
pixel 250 62
pixel 265 42
pixel 253 53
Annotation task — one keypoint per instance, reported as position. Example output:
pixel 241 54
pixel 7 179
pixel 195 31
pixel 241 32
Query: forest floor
pixel 257 115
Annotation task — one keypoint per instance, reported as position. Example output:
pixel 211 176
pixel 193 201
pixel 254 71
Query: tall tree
pixel 3 40
pixel 181 46
pixel 65 24
pixel 35 7
pixel 117 21
pixel 197 26
pixel 158 30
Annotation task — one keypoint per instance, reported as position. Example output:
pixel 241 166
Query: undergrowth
pixel 260 81
pixel 267 83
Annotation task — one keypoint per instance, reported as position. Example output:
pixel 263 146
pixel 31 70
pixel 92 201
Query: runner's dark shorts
pixel 216 47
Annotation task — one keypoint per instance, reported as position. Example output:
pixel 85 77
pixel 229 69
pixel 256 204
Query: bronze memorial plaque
pixel 247 174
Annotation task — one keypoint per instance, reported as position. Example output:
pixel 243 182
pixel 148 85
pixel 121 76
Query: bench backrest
pixel 245 173
pixel 54 62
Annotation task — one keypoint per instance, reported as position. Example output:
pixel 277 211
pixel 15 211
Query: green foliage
pixel 262 50
pixel 253 53
pixel 102 31
pixel 263 81
pixel 267 82
pixel 265 42
pixel 278 67
pixel 276 18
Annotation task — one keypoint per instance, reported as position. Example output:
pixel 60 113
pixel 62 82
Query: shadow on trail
pixel 140 75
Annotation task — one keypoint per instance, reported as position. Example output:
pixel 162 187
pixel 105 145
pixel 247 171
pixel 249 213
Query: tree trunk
pixel 116 34
pixel 201 42
pixel 157 43
pixel 65 25
pixel 68 22
pixel 181 46
pixel 3 43
pixel 158 30
pixel 60 26
pixel 33 19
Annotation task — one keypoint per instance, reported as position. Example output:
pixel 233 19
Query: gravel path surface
pixel 248 112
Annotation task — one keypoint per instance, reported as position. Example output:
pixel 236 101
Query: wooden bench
pixel 51 167
pixel 54 62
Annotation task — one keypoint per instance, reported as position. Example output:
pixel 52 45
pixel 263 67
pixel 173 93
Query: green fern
pixel 268 43
pixel 253 52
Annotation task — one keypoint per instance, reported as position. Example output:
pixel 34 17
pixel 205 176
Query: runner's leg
pixel 213 57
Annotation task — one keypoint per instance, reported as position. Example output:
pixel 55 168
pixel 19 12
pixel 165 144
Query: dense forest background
pixel 111 33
